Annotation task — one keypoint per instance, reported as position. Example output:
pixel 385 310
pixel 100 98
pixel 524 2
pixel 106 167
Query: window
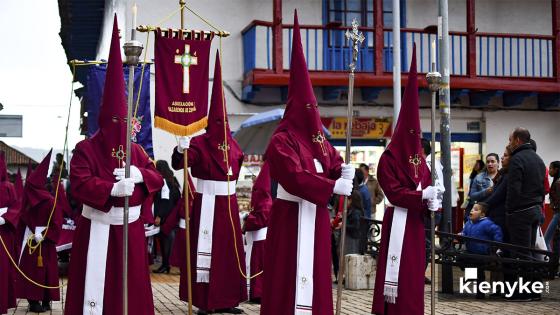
pixel 344 11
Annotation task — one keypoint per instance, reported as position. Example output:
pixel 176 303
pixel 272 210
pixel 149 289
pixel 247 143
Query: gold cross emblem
pixel 415 161
pixel 186 60
pixel 224 148
pixel 119 154
pixel 320 138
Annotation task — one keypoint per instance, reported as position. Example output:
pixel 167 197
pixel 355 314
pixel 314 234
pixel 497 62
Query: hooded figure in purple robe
pixel 405 179
pixel 9 209
pixel 39 230
pixel 297 266
pixel 216 242
pixel 255 231
pixel 97 181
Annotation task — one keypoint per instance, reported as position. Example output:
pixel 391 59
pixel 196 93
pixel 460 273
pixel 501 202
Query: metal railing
pixel 325 49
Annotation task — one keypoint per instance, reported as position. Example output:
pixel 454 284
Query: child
pixel 481 227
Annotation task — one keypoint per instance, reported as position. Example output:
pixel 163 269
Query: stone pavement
pixel 166 300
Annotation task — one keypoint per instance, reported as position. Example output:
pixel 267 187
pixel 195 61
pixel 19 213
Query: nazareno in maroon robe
pixel 8 199
pixel 296 143
pixel 178 258
pixel 91 178
pixel 399 179
pixel 261 202
pixel 227 286
pixel 36 209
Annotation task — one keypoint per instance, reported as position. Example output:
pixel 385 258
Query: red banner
pixel 181 83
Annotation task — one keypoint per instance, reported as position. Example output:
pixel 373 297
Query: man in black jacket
pixel 524 198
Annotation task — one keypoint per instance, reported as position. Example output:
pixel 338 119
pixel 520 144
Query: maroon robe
pixel 261 202
pixel 292 166
pixel 91 184
pixel 401 170
pixel 35 212
pixel 410 298
pixel 178 258
pixel 227 287
pixel 92 179
pixel 8 199
pixel 294 153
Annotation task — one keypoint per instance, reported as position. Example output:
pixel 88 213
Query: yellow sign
pixel 362 128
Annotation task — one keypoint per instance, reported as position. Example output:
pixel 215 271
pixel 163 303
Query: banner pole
pixel 182 3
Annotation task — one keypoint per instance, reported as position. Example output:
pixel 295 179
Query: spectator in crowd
pixel 373 186
pixel 497 199
pixel 481 186
pixel 57 164
pixel 164 201
pixel 546 184
pixel 524 198
pixel 353 241
pixel 477 168
pixel 335 206
pixel 554 171
pixel 361 186
pixel 481 227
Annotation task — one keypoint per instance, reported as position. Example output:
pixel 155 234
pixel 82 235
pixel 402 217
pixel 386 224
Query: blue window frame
pixel 336 53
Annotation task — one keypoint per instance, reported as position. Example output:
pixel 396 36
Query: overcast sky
pixel 34 77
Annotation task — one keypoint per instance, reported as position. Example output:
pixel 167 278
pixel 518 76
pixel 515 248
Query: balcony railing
pixel 326 49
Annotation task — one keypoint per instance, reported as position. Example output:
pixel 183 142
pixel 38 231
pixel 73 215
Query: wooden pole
pixel 182 3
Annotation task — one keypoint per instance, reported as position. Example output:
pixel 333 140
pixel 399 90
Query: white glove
pixel 184 143
pixel 430 192
pixel 433 204
pixel 38 237
pixel 135 174
pixel 2 221
pixel 348 171
pixel 343 186
pixel 122 188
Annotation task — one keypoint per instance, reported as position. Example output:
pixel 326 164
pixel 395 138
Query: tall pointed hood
pixel 38 178
pixel 302 118
pixel 3 168
pixel 405 144
pixel 35 190
pixel 217 116
pixel 113 112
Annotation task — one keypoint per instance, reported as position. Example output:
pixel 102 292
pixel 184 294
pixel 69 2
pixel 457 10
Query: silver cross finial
pixel 357 38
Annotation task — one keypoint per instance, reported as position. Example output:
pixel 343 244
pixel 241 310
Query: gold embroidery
pixel 320 138
pixel 415 161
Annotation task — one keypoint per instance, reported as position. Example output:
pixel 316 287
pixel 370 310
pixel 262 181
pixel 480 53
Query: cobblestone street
pixel 166 300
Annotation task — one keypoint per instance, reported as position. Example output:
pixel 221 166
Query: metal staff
pixel 434 81
pixel 356 37
pixel 132 51
pixel 182 3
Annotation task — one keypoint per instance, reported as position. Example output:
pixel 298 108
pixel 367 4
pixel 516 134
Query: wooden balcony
pixel 481 62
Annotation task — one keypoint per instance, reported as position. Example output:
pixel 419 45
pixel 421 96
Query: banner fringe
pixel 180 130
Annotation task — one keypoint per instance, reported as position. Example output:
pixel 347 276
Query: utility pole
pixel 445 111
pixel 396 61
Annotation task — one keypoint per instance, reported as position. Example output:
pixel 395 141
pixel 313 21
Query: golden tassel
pixel 40 259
